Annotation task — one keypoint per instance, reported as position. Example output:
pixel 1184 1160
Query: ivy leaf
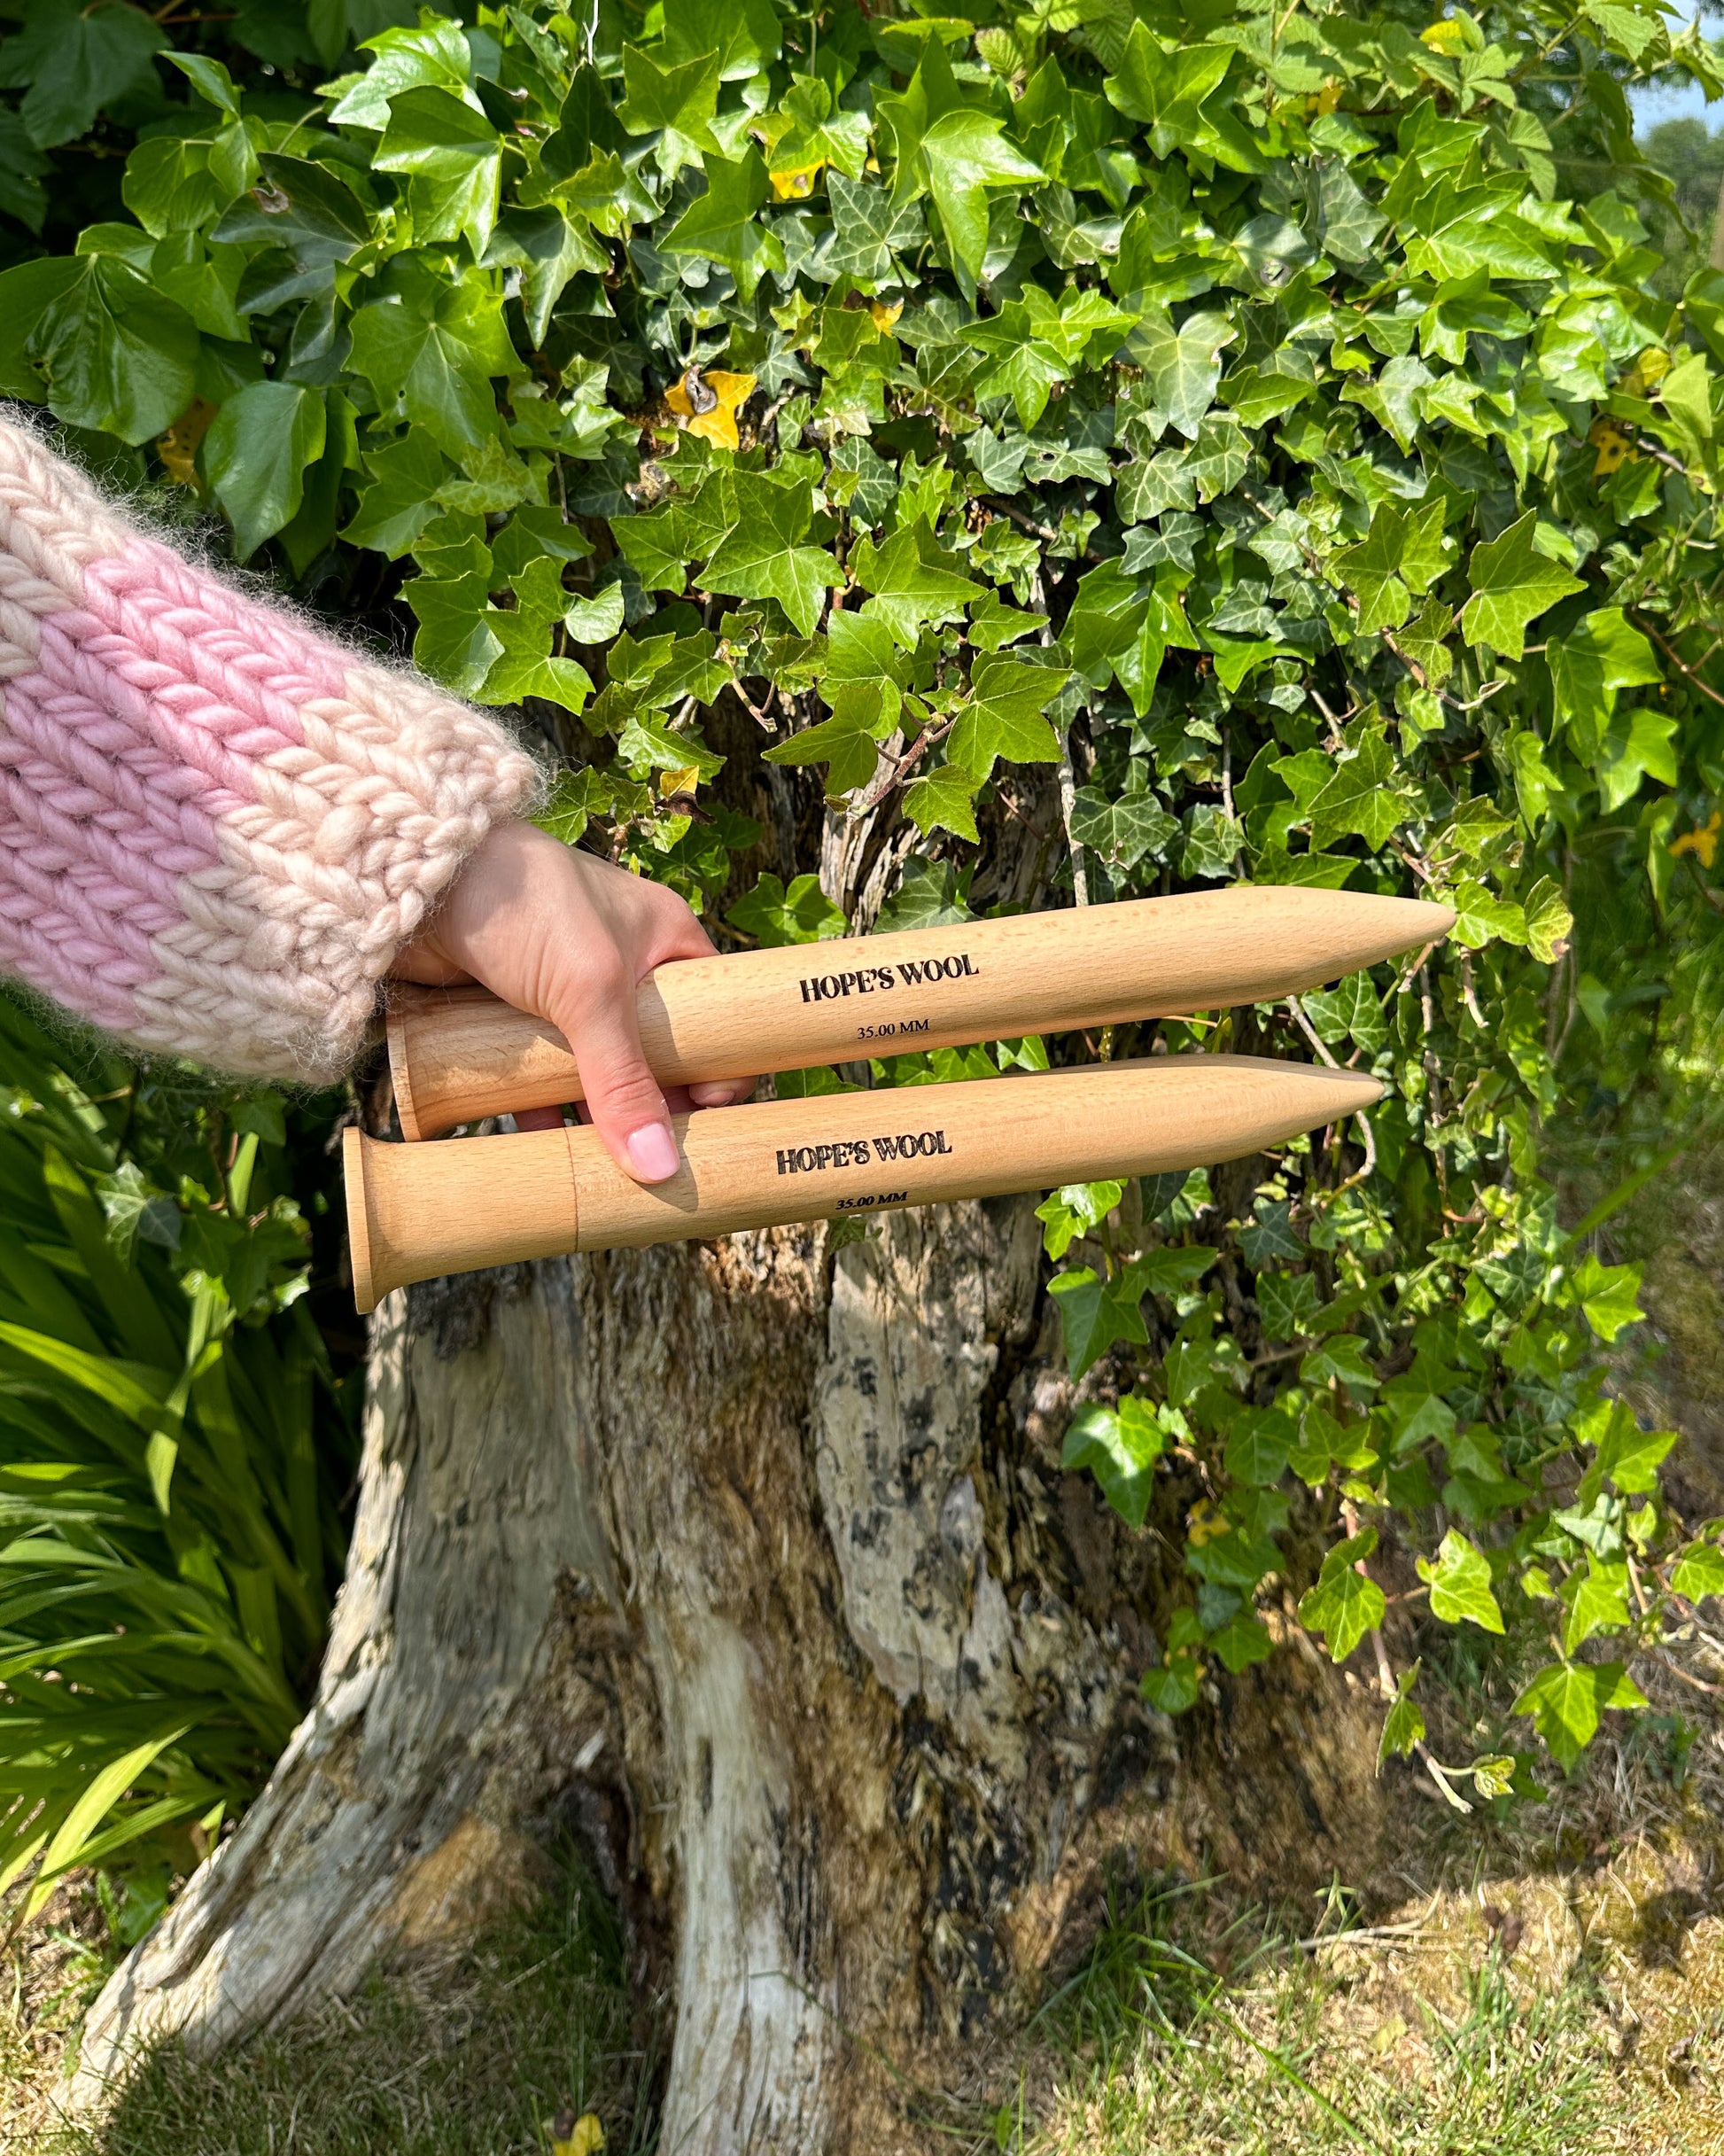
pixel 1404 1726
pixel 454 156
pixel 1344 1605
pixel 94 338
pixel 1363 799
pixel 1460 1583
pixel 430 348
pixel 871 232
pixel 1183 365
pixel 1287 1302
pixel 456 643
pixel 1120 627
pixel 433 51
pixel 306 220
pixel 1606 1295
pixel 1596 1601
pixel 956 152
pixel 1698 1571
pixel 1548 921
pixel 1372 570
pixel 774 916
pixel 1565 1700
pixel 1601 654
pixel 1120 1447
pixel 1120 833
pixel 676 103
pixel 761 556
pixel 76 61
pixel 1259 1447
pixel 402 498
pixel 914 580
pixel 1481 916
pixel 1341 1356
pixel 1003 717
pixel 1212 839
pixel 943 800
pixel 1638 745
pixel 255 456
pixel 1072 1210
pixel 722 223
pixel 1512 584
pixel 849 740
pixel 1241 1641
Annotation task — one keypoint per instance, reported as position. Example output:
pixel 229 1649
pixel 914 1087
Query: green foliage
pixel 1215 442
pixel 168 1540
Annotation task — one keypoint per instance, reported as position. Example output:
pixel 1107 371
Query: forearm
pixel 218 828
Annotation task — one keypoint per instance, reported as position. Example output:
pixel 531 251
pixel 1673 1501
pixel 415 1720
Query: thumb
pixel 597 1019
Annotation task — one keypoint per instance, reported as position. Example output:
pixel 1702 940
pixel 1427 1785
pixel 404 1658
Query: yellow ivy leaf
pixel 1646 373
pixel 1445 36
pixel 707 405
pixel 672 783
pixel 178 447
pixel 1614 447
pixel 583 2137
pixel 797 183
pixel 1204 1523
pixel 1703 840
pixel 882 316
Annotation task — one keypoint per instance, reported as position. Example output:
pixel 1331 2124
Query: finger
pixel 538 1118
pixel 623 1098
pixel 720 1093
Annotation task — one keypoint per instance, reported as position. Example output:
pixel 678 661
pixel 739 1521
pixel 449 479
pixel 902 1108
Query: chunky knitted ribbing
pixel 217 828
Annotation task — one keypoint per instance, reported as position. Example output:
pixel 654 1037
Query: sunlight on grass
pixel 1169 2056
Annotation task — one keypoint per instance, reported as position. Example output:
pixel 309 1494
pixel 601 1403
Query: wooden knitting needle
pixel 459 1054
pixel 414 1212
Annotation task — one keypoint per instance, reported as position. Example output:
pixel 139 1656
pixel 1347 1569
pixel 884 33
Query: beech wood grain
pixel 459 1054
pixel 417 1211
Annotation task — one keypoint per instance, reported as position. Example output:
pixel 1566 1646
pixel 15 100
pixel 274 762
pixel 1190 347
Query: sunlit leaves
pixel 955 153
pixel 1512 584
pixel 1607 1295
pixel 722 223
pixel 1344 1604
pixel 676 103
pixel 1206 399
pixel 1002 716
pixel 762 556
pixel 1460 1583
pixel 1184 364
pixel 429 347
pixel 1566 1701
pixel 913 582
pixel 455 157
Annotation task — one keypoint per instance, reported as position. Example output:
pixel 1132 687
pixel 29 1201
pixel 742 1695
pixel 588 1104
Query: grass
pixel 473 2052
pixel 1163 2054
pixel 1552 1984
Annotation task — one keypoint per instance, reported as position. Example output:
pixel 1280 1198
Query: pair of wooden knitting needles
pixel 415 1212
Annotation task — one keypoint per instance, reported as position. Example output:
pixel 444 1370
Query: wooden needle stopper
pixel 459 1054
pixel 414 1212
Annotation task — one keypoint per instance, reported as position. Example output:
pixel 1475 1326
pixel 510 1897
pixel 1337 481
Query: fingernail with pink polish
pixel 652 1153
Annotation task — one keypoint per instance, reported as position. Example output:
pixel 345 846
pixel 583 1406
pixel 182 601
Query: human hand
pixel 568 938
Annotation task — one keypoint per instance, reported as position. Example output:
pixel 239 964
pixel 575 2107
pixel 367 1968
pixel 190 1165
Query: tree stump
pixel 756 1564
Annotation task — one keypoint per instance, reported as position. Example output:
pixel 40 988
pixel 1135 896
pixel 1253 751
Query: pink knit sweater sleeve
pixel 217 828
